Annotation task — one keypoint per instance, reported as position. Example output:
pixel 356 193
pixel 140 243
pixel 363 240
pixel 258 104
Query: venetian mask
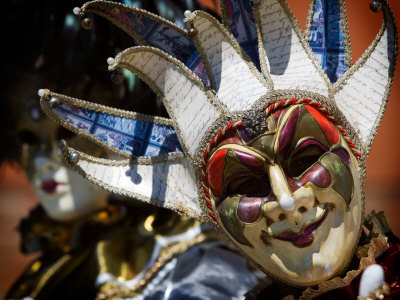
pixel 62 192
pixel 289 196
pixel 287 188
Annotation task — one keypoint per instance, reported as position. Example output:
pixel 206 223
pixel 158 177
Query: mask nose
pixel 280 188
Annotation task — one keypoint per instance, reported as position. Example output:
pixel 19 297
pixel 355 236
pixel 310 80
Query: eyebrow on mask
pixel 311 141
pixel 327 127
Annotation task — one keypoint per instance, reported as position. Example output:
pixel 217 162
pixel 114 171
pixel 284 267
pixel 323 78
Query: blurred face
pixel 290 197
pixel 63 193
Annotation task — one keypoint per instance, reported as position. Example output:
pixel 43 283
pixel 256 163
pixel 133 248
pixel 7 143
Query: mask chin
pixel 69 208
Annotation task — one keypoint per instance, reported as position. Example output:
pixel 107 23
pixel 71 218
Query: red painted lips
pixel 305 237
pixel 49 186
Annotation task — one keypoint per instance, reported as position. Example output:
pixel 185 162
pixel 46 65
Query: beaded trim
pixel 214 141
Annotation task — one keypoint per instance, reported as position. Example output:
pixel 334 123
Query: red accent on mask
pixel 327 127
pixel 215 171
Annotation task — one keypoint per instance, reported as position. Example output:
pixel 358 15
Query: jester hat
pixel 210 76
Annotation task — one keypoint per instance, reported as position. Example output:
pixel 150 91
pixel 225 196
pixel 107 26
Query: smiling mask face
pixel 289 197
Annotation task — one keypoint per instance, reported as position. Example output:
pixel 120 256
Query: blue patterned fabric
pixel 159 35
pixel 134 137
pixel 326 38
pixel 242 25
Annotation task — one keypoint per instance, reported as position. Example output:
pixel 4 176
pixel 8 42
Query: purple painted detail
pixel 310 142
pixel 305 237
pixel 249 161
pixel 288 132
pixel 278 115
pixel 249 209
pixel 152 32
pixel 343 154
pixel 317 175
pixel 132 136
pixel 242 25
pixel 199 69
pixel 327 38
pixel 244 135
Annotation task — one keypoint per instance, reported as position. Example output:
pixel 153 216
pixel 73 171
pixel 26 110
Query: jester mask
pixel 268 132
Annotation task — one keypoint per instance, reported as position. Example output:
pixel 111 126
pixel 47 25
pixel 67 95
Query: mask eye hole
pixel 304 159
pixel 249 185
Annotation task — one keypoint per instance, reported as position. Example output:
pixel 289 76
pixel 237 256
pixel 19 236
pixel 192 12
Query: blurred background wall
pixel 383 164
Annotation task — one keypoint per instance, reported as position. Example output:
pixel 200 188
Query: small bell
pixel 76 11
pixel 86 23
pixel 117 77
pixel 375 6
pixel 193 32
pixel 41 92
pixel 110 60
pixel 54 103
pixel 74 157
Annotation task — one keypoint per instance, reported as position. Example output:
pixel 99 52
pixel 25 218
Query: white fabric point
pixel 371 278
pixel 286 202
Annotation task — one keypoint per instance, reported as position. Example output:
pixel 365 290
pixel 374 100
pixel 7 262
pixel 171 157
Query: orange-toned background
pixel 383 165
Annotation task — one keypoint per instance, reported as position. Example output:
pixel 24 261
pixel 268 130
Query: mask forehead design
pixel 277 115
pixel 286 135
pixel 330 169
pixel 294 124
pixel 265 145
pixel 308 126
pixel 327 127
